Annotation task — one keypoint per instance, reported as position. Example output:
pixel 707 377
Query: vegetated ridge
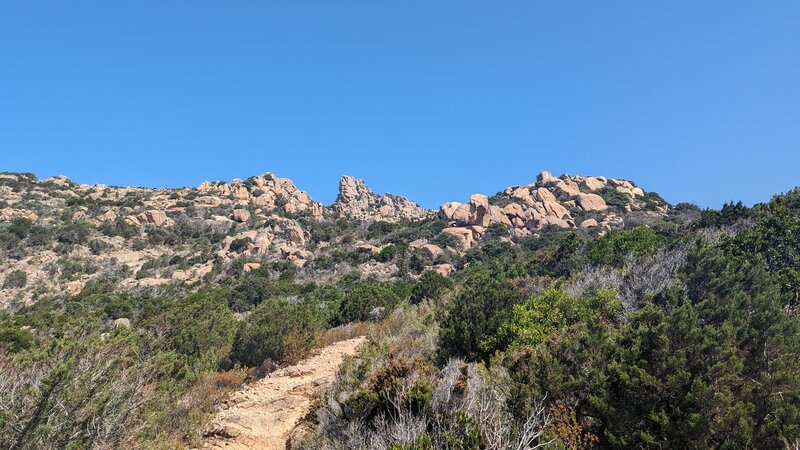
pixel 574 312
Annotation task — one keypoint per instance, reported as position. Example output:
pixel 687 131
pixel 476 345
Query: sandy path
pixel 263 414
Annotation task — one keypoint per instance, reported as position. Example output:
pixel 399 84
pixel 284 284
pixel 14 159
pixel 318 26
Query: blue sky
pixel 433 100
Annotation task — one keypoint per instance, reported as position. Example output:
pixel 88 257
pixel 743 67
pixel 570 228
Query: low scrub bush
pixel 279 330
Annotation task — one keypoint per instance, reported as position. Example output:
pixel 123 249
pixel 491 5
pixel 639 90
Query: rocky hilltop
pixel 64 237
pixel 564 202
pixel 357 201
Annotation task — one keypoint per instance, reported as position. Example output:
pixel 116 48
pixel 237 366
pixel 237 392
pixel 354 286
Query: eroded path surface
pixel 263 414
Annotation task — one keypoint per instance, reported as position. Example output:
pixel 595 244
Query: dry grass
pixel 344 333
pixel 195 408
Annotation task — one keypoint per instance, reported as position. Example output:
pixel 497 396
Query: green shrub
pixel 538 318
pixel 20 227
pixel 72 270
pixel 119 227
pixel 361 404
pixel 614 198
pixel 201 327
pixel 422 442
pixel 255 288
pixel 464 434
pixel 116 308
pixel 495 230
pixel 328 300
pixel 96 246
pixel 476 313
pixel 240 244
pixel 380 229
pixel 729 214
pixel 16 279
pixel 431 285
pixel 39 236
pixel 74 233
pixel 15 339
pixel 614 247
pixel 693 368
pixel 500 200
pixel 278 330
pixel 390 252
pixel 774 237
pixel 445 240
pixel 362 299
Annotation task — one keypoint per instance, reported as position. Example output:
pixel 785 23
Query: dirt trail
pixel 264 413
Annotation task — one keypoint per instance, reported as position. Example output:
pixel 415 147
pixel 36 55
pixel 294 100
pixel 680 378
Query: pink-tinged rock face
pixel 591 202
pixel 240 215
pixel 357 201
pixel 430 251
pixel 593 183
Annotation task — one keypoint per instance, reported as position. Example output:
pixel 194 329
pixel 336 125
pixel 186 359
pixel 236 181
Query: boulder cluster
pixel 150 217
pixel 550 201
pixel 357 201
pixel 264 191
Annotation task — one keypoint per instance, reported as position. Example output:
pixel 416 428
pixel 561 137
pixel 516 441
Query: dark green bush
pixel 16 279
pixel 39 236
pixel 119 227
pixel 390 252
pixel 541 316
pixel 495 230
pixel 445 240
pixel 117 307
pixel 728 215
pixel 74 233
pixel 614 198
pixel 201 327
pixel 278 330
pixel 430 286
pixel 474 316
pixel 688 370
pixel 380 229
pixel 362 299
pixel 328 300
pixel 775 238
pixel 15 339
pixel 240 244
pixel 255 288
pixel 20 227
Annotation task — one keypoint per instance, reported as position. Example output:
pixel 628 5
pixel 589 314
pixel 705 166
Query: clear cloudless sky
pixel 433 100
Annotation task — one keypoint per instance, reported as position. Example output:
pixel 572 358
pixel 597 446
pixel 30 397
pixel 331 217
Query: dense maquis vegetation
pixel 679 334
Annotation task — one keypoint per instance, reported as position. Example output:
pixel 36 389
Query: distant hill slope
pixel 59 235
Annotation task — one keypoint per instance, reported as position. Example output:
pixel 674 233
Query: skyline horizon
pixel 331 198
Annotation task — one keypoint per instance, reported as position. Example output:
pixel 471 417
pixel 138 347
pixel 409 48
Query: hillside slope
pixel 63 236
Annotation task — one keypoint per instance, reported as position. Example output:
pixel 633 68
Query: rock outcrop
pixel 548 202
pixel 357 201
pixel 266 192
